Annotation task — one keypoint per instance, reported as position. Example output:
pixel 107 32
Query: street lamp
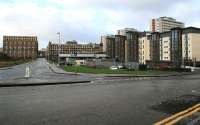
pixel 75 55
pixel 58 33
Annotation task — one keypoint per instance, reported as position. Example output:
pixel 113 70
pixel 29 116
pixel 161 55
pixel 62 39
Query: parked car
pixel 113 67
pixel 120 67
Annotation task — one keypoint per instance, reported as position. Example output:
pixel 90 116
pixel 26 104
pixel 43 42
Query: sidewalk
pixel 5 68
pixel 162 75
pixel 56 69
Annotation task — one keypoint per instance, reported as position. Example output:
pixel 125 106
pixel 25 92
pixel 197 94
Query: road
pixel 119 101
pixel 39 71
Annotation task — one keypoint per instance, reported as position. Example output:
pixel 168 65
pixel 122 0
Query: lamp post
pixel 58 33
pixel 75 55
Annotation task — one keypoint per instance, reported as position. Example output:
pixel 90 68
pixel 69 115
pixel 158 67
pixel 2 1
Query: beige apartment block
pixel 191 46
pixel 165 46
pixel 144 48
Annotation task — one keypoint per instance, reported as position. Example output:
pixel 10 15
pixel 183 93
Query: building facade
pixel 154 48
pixel 72 47
pixel 20 46
pixel 131 44
pixel 131 47
pixel 164 24
pixel 165 46
pixel 179 46
pixel 125 30
pixel 108 42
pixel 120 48
pixel 144 48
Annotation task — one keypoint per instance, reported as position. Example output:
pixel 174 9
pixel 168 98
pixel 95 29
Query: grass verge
pixel 83 69
pixel 8 63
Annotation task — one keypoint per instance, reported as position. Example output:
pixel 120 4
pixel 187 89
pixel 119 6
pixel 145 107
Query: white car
pixel 113 67
pixel 120 67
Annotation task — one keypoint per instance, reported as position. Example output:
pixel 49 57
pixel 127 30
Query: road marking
pixel 179 116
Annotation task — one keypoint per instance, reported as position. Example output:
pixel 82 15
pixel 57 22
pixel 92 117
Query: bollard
pixel 27 72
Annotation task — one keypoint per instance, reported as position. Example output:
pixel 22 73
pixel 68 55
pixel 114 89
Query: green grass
pixel 83 69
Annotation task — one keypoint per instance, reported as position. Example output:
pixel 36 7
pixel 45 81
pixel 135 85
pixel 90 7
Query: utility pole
pixel 58 47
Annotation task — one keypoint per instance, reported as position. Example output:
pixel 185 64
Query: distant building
pixel 164 24
pixel 125 30
pixel 20 46
pixel 109 45
pixel 42 53
pixel 82 59
pixel 72 47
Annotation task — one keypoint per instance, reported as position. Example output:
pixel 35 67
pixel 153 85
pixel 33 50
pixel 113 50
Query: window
pixel 165 41
pixel 166 52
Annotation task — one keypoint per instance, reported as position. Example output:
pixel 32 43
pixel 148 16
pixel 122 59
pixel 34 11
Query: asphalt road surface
pixel 39 70
pixel 119 101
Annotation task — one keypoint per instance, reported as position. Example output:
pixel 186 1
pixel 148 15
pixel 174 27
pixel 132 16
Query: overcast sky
pixel 87 20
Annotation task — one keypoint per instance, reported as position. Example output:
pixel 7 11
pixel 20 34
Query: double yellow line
pixel 179 116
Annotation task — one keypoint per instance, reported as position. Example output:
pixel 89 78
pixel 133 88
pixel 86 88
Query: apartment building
pixel 164 24
pixel 125 30
pixel 20 46
pixel 165 46
pixel 154 48
pixel 179 46
pixel 187 40
pixel 131 44
pixel 144 48
pixel 120 48
pixel 108 42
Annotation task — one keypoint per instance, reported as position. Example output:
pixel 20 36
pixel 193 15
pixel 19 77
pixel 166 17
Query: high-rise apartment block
pixel 123 46
pixel 176 47
pixel 120 48
pixel 131 46
pixel 108 42
pixel 164 24
pixel 20 46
